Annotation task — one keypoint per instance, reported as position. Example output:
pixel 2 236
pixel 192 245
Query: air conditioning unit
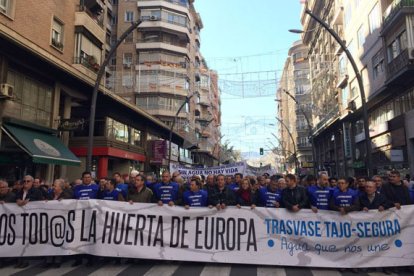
pixel 410 53
pixel 153 18
pixel 6 90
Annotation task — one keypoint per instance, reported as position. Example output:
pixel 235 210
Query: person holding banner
pixel 395 190
pixel 195 197
pixel 271 196
pixel 372 200
pixel 166 192
pixel 222 196
pixel 320 194
pixel 343 198
pixel 121 186
pixel 85 191
pixel 140 192
pixel 245 195
pixel 294 197
pixel 6 196
pixel 111 193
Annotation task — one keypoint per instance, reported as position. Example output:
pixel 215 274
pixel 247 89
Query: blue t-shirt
pixel 344 199
pixel 268 198
pixel 166 192
pixel 319 197
pixel 107 195
pixel 411 191
pixel 86 191
pixel 195 199
pixel 123 188
pixel 234 187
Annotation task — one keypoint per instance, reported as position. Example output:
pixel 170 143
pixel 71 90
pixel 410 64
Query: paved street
pixel 176 268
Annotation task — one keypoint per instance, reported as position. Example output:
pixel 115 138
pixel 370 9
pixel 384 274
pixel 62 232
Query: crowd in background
pixel 219 191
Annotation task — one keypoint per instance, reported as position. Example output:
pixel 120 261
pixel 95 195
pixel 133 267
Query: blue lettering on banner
pixel 333 229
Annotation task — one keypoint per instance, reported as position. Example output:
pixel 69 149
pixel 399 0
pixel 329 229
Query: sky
pixel 247 44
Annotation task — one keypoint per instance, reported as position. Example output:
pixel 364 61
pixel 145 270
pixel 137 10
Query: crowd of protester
pixel 320 192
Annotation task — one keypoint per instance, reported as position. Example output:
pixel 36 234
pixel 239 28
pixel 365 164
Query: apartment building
pixel 378 36
pixel 159 67
pixel 295 110
pixel 50 52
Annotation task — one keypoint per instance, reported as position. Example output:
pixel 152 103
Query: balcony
pixel 89 62
pixel 204 100
pixel 178 68
pixel 172 88
pixel 401 68
pixel 161 110
pixel 153 23
pixel 93 22
pixel 339 13
pixel 398 9
pixel 175 5
pixel 175 48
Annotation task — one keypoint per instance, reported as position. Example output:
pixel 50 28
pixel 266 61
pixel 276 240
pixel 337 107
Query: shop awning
pixel 42 147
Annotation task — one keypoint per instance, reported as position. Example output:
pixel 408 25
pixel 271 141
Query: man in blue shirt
pixel 320 194
pixel 86 190
pixel 110 193
pixel 270 196
pixel 237 182
pixel 195 197
pixel 166 192
pixel 120 185
pixel 343 199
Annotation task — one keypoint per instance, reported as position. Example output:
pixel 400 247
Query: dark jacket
pixel 225 196
pixel 379 200
pixel 32 195
pixel 295 196
pixel 396 193
pixel 8 198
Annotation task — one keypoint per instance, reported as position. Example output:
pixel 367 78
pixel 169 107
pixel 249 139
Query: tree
pixel 228 154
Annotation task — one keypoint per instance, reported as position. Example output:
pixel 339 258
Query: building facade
pixel 48 67
pixel 378 36
pixel 159 67
pixel 295 109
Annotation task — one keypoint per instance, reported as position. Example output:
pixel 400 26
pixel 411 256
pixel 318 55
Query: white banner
pixel 260 236
pixel 230 169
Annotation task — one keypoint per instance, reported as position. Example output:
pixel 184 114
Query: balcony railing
pixel 157 18
pixel 183 45
pixel 396 6
pixel 89 62
pixel 183 3
pixel 398 63
pixel 98 18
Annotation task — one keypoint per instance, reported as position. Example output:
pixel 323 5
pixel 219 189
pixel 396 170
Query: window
pixel 127 80
pixel 348 14
pixel 361 36
pixel 127 60
pixel 7 7
pixel 374 19
pixel 397 46
pixel 122 132
pixel 33 100
pixel 114 20
pixel 129 16
pixel 57 33
pixel 377 64
pixel 4 4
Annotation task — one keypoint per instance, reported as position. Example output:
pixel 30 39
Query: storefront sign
pixel 397 156
pixel 71 124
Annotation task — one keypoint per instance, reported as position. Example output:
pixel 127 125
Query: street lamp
pixel 310 132
pixel 187 100
pixel 359 79
pixel 99 76
pixel 293 142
